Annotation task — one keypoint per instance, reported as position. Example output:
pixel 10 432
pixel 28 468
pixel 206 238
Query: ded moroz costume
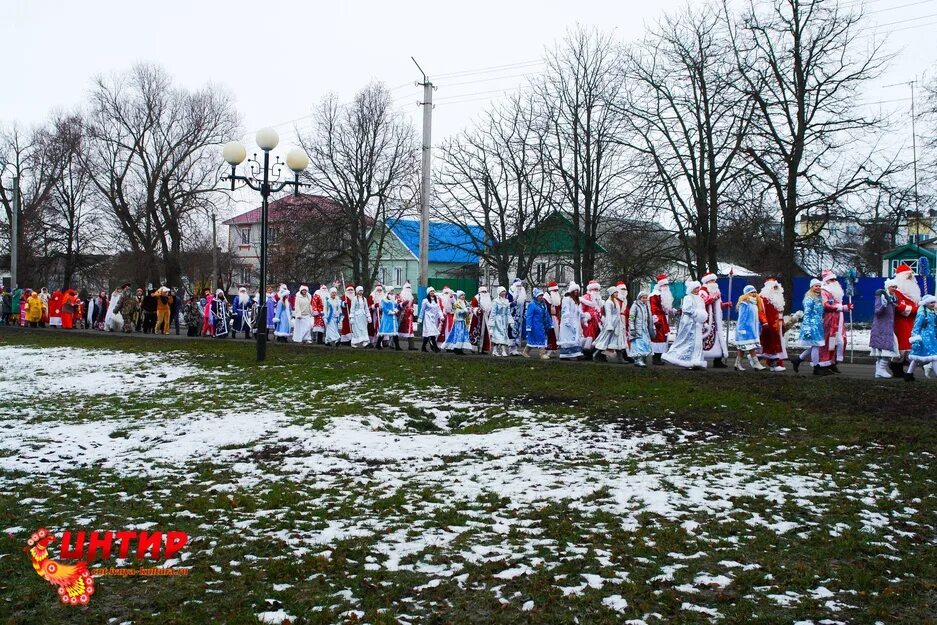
pixel 537 325
pixel 773 345
pixel 714 332
pixel 661 303
pixel 687 348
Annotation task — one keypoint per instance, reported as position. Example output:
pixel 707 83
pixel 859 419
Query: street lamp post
pixel 259 179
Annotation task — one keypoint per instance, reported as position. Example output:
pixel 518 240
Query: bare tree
pixel 70 219
pixel 803 62
pixel 688 118
pixel 33 158
pixel 152 152
pixel 583 132
pixel 496 178
pixel 364 157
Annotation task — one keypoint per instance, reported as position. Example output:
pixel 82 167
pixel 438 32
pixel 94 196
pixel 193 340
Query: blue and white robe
pixel 687 348
pixel 537 323
pixel 281 318
pixel 748 326
pixel 500 322
pixel 458 337
pixel 924 336
pixel 569 337
pixel 811 326
pixel 219 309
pixel 388 325
pixel 334 312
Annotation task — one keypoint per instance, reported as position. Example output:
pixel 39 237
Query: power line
pixel 901 6
pixel 489 70
pixel 478 80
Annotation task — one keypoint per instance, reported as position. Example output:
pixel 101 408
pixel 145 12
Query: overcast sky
pixel 279 58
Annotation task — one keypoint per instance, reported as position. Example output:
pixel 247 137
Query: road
pixel 861 369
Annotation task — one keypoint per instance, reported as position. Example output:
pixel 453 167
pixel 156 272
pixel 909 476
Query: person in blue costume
pixel 811 329
pixel 923 338
pixel 387 328
pixel 282 316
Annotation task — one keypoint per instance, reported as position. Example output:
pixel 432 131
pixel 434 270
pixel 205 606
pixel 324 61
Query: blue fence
pixel 862 299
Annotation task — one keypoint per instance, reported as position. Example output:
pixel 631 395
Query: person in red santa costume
pixel 69 308
pixel 479 334
pixel 445 297
pixel 55 309
pixel 554 303
pixel 347 298
pixel 592 305
pixel 773 348
pixel 714 330
pixel 834 328
pixel 908 295
pixel 405 302
pixel 318 314
pixel 661 303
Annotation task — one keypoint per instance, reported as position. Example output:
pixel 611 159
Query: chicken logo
pixel 74 581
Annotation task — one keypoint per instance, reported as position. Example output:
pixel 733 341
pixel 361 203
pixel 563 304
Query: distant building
pixel 551 247
pixel 453 255
pixel 909 254
pixel 283 218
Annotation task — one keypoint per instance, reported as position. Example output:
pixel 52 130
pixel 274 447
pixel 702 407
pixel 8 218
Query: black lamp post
pixel 259 179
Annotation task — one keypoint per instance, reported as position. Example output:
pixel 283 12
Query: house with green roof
pixel 552 244
pixel 909 253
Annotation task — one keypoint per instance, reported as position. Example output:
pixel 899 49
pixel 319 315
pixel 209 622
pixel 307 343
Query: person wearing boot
pixel 390 312
pixel 714 331
pixel 661 303
pixel 811 330
pixel 430 320
pixel 500 322
pixel 407 314
pixel 834 326
pixel 923 338
pixel 537 323
pixel 883 344
pixel 748 328
pixel 641 327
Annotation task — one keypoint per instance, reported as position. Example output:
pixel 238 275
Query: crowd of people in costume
pixel 565 322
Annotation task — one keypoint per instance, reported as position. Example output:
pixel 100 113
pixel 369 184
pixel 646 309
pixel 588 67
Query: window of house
pixel 245 235
pixel 245 274
pixel 910 262
pixel 272 234
pixel 398 276
pixel 382 274
pixel 541 273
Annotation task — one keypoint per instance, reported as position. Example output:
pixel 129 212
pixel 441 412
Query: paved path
pixel 861 369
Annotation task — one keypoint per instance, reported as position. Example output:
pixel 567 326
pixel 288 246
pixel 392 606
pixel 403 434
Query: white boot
pixel 738 363
pixel 881 369
pixel 755 364
pixel 928 369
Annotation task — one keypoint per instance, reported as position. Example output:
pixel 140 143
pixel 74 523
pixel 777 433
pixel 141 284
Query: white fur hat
pixel 692 285
pixel 572 287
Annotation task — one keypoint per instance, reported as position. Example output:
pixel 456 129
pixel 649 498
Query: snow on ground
pixel 535 460
pixel 66 371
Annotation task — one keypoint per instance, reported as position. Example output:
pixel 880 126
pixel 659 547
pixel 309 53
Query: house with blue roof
pixel 453 255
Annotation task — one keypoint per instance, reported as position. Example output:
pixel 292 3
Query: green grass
pixel 863 437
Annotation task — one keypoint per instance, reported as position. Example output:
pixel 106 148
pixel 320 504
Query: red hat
pixel 903 267
pixel 621 283
pixel 662 279
pixel 553 285
pixel 827 275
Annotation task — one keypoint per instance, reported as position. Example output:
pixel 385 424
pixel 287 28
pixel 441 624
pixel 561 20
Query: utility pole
pixel 426 187
pixel 914 145
pixel 14 232
pixel 214 255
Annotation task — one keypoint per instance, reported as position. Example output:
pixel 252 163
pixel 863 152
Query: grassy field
pixel 339 486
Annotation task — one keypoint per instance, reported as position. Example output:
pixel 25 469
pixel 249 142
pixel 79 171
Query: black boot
pixel 600 357
pixel 909 377
pixel 434 344
pixel 719 363
pixel 834 368
pixel 896 369
pixel 796 363
pixel 425 341
pixel 818 370
pixel 379 344
pixel 397 343
pixel 657 359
